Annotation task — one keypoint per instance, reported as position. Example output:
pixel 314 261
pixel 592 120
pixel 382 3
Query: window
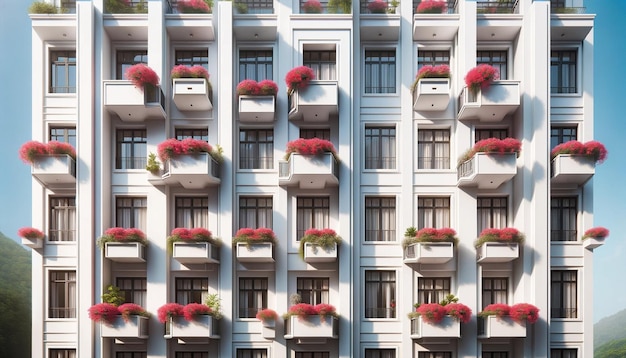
pixel 131 149
pixel 252 353
pixel 191 355
pixel 434 355
pixel 380 294
pixel 131 354
pixel 63 72
pixel 432 58
pixel 564 287
pixel 497 59
pixel 255 212
pixel 380 148
pixel 312 355
pixel 62 353
pixel 380 353
pixel 313 290
pixel 560 135
pixel 312 212
pixel 134 289
pixel 192 58
pixel 131 212
pixel 252 296
pixel 256 65
pixel 191 290
pixel 127 58
pixel 62 219
pixel 563 353
pixel 492 213
pixel 315 133
pixel 433 212
pixel 495 290
pixel 256 149
pixel 64 134
pixel 563 71
pixel 194 133
pixel 432 290
pixel 495 355
pixel 62 302
pixel 380 218
pixel 563 213
pixel 192 212
pixel 323 63
pixel 433 149
pixel 380 71
pixel 487 133
pixel 68 6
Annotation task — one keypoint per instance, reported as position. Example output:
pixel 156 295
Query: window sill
pixel 386 171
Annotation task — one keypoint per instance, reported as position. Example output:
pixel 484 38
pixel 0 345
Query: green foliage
pixel 42 7
pixel 410 232
pixel 450 298
pixel 609 329
pixel 153 165
pixel 117 7
pixel 340 6
pixel 613 349
pixel 215 303
pixel 113 295
pixel 242 8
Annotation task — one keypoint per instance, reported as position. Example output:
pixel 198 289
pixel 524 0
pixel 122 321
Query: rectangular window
pixel 432 58
pixel 62 353
pixel 134 289
pixel 492 213
pixel 563 218
pixel 380 218
pixel 62 300
pixel 252 296
pixel 63 72
pixel 321 133
pixel 255 212
pixel 256 65
pixel 433 212
pixel 131 212
pixel 380 294
pixel 127 58
pixel 191 290
pixel 312 355
pixel 256 149
pixel 380 148
pixel 131 149
pixel 323 63
pixel 62 219
pixel 559 135
pixel 497 59
pixel 380 71
pixel 433 149
pixel 313 290
pixel 564 288
pixel 252 353
pixel 487 133
pixel 64 135
pixel 495 290
pixel 192 212
pixel 193 133
pixel 192 58
pixel 380 353
pixel 131 354
pixel 312 212
pixel 495 355
pixel 434 355
pixel 432 290
pixel 191 355
pixel 563 71
pixel 563 353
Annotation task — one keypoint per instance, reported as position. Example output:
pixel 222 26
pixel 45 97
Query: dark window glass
pixel 63 72
pixel 380 71
pixel 252 296
pixel 255 212
pixel 497 59
pixel 433 149
pixel 563 218
pixel 380 294
pixel 256 65
pixel 564 296
pixel 432 290
pixel 380 148
pixel 380 218
pixel 256 149
pixel 127 58
pixel 563 71
pixel 313 290
pixel 433 212
pixel 191 290
pixel 131 149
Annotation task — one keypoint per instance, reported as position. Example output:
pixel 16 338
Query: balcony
pixel 589 243
pixel 309 171
pixel 254 20
pixel 59 26
pixel 487 170
pixel 195 252
pixel 314 253
pixel 257 252
pixel 125 251
pixel 185 26
pixel 55 171
pixel 312 328
pixel 131 104
pixel 199 330
pixel 316 103
pixel 569 23
pixel 192 171
pixel 429 253
pixel 432 94
pixel 380 24
pixel 126 332
pixel 497 7
pixel 191 94
pixel 257 109
pixel 504 327
pixel 571 170
pixel 449 327
pixel 442 27
pixel 490 105
pixel 496 252
pixel 327 7
pixel 34 243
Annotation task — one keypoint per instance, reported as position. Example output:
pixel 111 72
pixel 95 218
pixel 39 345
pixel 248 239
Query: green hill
pixel 609 329
pixel 613 349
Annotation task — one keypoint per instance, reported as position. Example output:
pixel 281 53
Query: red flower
pixel 524 311
pixel 30 150
pixel 181 233
pixel 268 88
pixel 596 232
pixel 128 309
pixel 200 234
pixel 312 7
pixel 103 312
pixel 193 7
pixel 496 309
pixel 431 7
pixel 30 233
pixel 481 77
pixel 377 6
pixel 245 232
pixel 592 149
pixel 248 87
pixel 324 309
pixel 267 314
pixel 118 233
pixel 432 312
pixel 299 77
pixel 141 75
pixel 459 311
pixel 169 310
pixel 55 147
pixel 302 309
pixel 198 71
pixel 173 147
pixel 505 235
pixel 313 146
pixel 192 310
pixel 436 235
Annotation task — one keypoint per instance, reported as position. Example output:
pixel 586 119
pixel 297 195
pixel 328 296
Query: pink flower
pixel 312 7
pixel 268 88
pixel 498 309
pixel 428 71
pixel 313 146
pixel 596 233
pixel 193 7
pixel 524 311
pixel 459 311
pixel 299 77
pixel 128 309
pixel 431 312
pixel 198 71
pixel 245 232
pixel 592 149
pixel 302 309
pixel 481 77
pixel 141 75
pixel 55 147
pixel 32 149
pixel 30 233
pixel 431 7
pixel 200 234
pixel 324 309
pixel 377 6
pixel 267 314
pixel 248 87
pixel 103 312
pixel 118 233
pixel 168 310
pixel 436 235
pixel 181 233
pixel 505 235
pixel 313 232
pixel 191 310
pixel 173 147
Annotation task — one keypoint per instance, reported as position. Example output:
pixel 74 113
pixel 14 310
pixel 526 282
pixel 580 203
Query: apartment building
pixel 395 167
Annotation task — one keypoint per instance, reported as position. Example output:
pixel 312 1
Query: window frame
pixel 61 232
pixel 331 64
pixel 324 210
pixel 142 291
pixel 380 350
pixel 577 70
pixel 136 147
pixel 51 288
pixel 396 81
pixel 380 162
pixel 492 212
pixel 67 65
pixel 433 143
pixel 433 291
pixel 560 137
pixel 381 231
pixel 318 295
pixel 257 63
pixel 194 211
pixel 190 292
pixel 392 290
pixel 561 350
pixel 136 214
pixel 420 210
pixel 259 163
pixel 254 291
pixel 62 352
pixel 506 48
pixel 563 232
pixel 119 66
pixel 561 300
pixel 268 210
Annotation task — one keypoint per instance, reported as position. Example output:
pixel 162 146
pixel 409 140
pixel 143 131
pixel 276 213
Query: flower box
pixel 449 327
pixel 257 252
pixel 571 169
pixel 125 251
pixel 309 171
pixel 491 104
pixel 429 252
pixel 191 94
pixel 503 327
pixel 136 327
pixel 34 243
pixel 314 253
pixel 432 94
pixel 195 252
pixel 491 252
pixel 192 171
pixel 55 171
pixel 314 103
pixel 588 243
pixel 487 170
pixel 257 109
pixel 311 327
pixel 132 104
pixel 202 326
pixel 269 332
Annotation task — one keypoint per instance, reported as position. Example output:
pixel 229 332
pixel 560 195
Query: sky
pixel 610 126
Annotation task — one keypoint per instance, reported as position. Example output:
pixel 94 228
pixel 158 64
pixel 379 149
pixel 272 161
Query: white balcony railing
pixel 492 104
pixel 309 171
pixel 192 171
pixel 132 104
pixel 314 103
pixel 487 170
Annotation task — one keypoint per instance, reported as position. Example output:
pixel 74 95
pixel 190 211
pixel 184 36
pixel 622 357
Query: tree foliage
pixel 609 329
pixel 613 349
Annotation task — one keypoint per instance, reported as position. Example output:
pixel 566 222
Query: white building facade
pixel 395 168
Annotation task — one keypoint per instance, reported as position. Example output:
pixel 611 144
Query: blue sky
pixel 610 126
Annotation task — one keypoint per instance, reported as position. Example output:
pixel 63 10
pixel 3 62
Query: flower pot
pixel 269 329
pixel 311 327
pixel 490 104
pixel 492 252
pixel 256 109
pixel 125 251
pixel 315 103
pixel 572 170
pixel 487 170
pixel 590 243
pixel 256 252
pixel 504 327
pixel 32 243
pixel 55 171
pixel 132 104
pixel 432 94
pixel 314 253
pixel 309 171
pixel 449 327
pixel 429 253
pixel 192 171
pixel 195 252
pixel 135 327
pixel 202 326
pixel 191 94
